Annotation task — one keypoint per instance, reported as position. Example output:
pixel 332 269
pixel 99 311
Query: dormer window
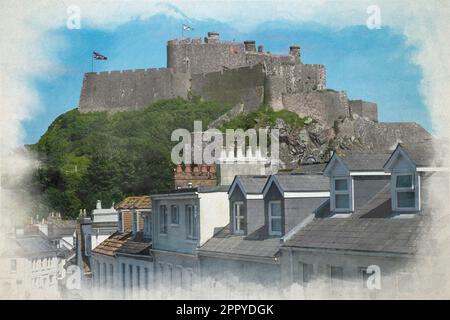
pixel 238 217
pixel 342 194
pixel 405 192
pixel 275 218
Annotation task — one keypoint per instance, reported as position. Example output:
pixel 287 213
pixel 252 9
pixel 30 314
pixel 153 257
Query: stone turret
pixel 250 45
pixel 294 50
pixel 213 37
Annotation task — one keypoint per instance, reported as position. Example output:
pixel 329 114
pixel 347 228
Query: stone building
pixel 263 209
pixel 29 266
pixel 122 265
pixel 229 72
pixel 183 220
pixel 376 220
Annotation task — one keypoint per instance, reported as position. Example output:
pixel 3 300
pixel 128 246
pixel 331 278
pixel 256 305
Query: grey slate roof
pixel 35 245
pixel 226 243
pixel 309 168
pixel 423 153
pixel 372 161
pixel 373 228
pixel 252 184
pixel 302 182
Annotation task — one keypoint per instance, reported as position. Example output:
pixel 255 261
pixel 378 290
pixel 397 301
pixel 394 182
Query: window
pixel 135 221
pixel 105 274
pixel 405 196
pixel 163 219
pixel 239 217
pixel 275 218
pixel 146 278
pixel 336 275
pixel 306 272
pixel 111 275
pixel 87 245
pixel 130 268
pixel 342 199
pixel 138 275
pixel 13 265
pixel 364 277
pixel 191 222
pixel 174 215
pixel 124 280
pixel 119 222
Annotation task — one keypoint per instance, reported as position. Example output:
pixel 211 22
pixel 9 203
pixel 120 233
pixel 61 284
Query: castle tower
pixel 213 37
pixel 294 50
pixel 250 45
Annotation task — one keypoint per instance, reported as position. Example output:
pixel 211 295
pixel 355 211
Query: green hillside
pixel 90 156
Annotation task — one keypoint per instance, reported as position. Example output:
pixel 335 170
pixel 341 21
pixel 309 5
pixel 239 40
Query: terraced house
pixel 378 212
pixel 263 209
pixel 184 219
pixel 123 263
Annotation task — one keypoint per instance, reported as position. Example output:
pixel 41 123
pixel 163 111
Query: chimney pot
pixel 179 169
pixel 187 169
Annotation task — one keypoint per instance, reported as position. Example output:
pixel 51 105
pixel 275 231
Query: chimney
pixel 213 37
pixel 99 204
pixel 179 169
pixel 261 49
pixel 250 45
pixel 294 50
pixel 204 169
pixel 187 169
pixel 195 170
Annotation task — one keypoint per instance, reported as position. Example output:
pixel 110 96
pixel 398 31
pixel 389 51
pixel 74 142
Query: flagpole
pixel 182 31
pixel 92 62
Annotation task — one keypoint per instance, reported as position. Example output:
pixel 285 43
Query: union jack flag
pixel 98 56
pixel 187 28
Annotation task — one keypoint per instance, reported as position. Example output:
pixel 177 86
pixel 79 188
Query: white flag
pixel 187 28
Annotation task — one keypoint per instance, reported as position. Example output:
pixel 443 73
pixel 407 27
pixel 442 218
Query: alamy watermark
pixel 207 147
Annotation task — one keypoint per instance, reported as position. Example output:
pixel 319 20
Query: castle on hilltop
pixel 239 74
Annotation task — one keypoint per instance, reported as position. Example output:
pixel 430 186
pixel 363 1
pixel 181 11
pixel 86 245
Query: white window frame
pixel 271 232
pixel 348 192
pixel 414 187
pixel 191 231
pixel 171 215
pixel 237 225
pixel 161 232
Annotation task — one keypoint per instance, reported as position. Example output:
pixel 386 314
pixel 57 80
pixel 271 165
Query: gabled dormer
pixel 405 180
pixel 246 204
pixel 341 186
pixel 290 199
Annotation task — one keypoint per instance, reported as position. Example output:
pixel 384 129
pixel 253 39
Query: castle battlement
pixel 226 71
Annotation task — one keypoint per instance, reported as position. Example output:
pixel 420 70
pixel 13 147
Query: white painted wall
pixel 214 213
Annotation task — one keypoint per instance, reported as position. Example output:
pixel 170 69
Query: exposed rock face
pixel 314 142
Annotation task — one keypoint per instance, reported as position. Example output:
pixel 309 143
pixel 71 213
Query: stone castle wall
pixel 235 86
pixel 325 105
pixel 229 72
pixel 130 89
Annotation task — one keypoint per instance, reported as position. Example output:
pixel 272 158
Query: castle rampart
pixel 228 72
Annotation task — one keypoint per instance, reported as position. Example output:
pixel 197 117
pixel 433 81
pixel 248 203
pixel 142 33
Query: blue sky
pixel 373 65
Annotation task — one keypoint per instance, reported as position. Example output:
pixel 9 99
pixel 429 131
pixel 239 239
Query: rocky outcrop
pixel 315 141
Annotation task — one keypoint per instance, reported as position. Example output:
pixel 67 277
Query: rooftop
pixel 136 202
